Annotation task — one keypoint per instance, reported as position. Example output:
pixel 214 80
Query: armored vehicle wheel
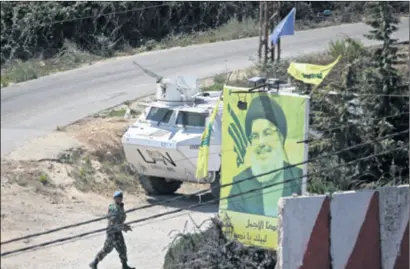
pixel 158 185
pixel 216 187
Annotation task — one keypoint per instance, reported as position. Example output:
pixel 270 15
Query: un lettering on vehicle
pixel 157 160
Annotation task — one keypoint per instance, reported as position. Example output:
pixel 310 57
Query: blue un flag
pixel 285 27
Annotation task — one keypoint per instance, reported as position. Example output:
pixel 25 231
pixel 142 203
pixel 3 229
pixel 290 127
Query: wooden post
pixel 272 26
pixel 272 52
pixel 277 19
pixel 260 31
pixel 266 33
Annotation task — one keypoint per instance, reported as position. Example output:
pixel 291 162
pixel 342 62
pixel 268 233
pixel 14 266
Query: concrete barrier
pixel 394 226
pixel 355 230
pixel 345 230
pixel 304 229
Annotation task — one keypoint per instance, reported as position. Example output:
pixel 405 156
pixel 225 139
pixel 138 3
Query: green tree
pixel 382 95
pixel 367 90
pixel 336 120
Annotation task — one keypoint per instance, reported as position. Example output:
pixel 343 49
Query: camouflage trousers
pixel 114 240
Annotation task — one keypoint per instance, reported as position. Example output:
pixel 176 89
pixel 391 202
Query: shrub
pixel 211 249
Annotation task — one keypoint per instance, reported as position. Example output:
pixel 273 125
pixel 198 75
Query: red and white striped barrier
pixel 347 230
pixel 303 231
pixel 355 230
pixel 394 227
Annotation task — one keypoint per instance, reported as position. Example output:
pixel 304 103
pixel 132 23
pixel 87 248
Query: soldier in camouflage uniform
pixel 115 238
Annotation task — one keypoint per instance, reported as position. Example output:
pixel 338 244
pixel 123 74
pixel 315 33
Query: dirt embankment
pixel 68 176
pixel 64 168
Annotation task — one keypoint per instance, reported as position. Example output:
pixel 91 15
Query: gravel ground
pixel 146 243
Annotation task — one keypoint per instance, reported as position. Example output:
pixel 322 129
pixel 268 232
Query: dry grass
pixel 99 166
pixel 69 58
pixel 102 167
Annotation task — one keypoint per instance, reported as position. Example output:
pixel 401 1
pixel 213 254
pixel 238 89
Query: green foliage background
pixel 39 29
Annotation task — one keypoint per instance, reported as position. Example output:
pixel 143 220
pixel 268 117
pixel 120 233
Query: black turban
pixel 263 107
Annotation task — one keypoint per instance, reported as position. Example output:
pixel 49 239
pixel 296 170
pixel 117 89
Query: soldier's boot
pixel 126 266
pixel 93 264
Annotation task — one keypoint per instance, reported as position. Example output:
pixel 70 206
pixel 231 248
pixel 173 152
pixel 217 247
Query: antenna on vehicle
pixel 172 90
pixel 228 77
pixel 149 72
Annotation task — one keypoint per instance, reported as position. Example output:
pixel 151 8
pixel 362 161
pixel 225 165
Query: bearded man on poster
pixel 266 131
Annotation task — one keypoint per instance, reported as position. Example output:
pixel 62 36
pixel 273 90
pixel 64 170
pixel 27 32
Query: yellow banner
pixel 203 153
pixel 310 73
pixel 252 230
pixel 260 132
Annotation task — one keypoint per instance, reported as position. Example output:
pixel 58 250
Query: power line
pixel 198 193
pixel 97 219
pixel 362 95
pixel 187 213
pixel 173 216
pixel 193 194
pixel 246 198
pixel 352 123
pixel 202 191
pixel 383 95
pixel 335 94
pixel 316 113
pixel 311 126
pixel 355 95
pixel 200 204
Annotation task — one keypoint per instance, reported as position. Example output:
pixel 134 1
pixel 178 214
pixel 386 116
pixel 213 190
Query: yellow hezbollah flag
pixel 202 163
pixel 310 73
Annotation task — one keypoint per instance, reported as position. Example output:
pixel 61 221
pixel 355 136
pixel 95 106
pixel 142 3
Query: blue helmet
pixel 117 194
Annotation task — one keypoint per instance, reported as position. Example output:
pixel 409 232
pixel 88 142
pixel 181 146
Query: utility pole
pixel 266 33
pixel 278 18
pixel 269 17
pixel 272 24
pixel 263 51
pixel 275 19
pixel 260 31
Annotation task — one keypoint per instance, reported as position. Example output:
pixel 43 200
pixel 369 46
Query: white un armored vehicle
pixel 162 145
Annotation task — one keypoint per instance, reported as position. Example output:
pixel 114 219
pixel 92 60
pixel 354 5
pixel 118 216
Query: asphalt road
pixel 37 107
